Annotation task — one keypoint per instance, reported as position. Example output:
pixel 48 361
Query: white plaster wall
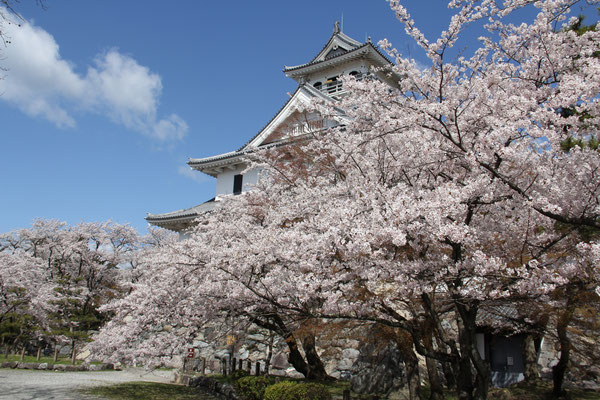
pixel 225 180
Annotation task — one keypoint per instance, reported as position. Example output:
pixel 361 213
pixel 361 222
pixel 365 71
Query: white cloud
pixel 194 175
pixel 42 84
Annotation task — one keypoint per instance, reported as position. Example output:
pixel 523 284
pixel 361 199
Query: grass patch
pixel 539 391
pixel 525 391
pixel 336 389
pixel 158 391
pixel 147 391
pixel 32 359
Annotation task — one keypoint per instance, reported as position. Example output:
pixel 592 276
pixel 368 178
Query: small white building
pixel 317 79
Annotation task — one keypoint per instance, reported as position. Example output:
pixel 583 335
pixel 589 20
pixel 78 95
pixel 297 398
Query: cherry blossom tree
pixel 184 287
pixel 59 275
pixel 430 201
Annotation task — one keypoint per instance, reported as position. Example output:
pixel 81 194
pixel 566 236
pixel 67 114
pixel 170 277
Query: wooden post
pixel 257 369
pixel 185 380
pixel 346 394
pixel 37 357
pixel 249 367
pixel 55 353
pixel 240 364
pixel 73 354
pixel 22 353
pixel 203 369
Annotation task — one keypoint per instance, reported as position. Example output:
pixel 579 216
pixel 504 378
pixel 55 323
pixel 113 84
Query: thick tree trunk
pixel 55 358
pixel 316 369
pixel 470 356
pixel 411 363
pixel 275 324
pixel 312 367
pixel 468 314
pixel 464 381
pixel 531 368
pixel 449 375
pixel 560 369
pixel 295 357
pixel 435 383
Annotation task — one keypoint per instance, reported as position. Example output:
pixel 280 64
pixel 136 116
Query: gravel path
pixel 20 384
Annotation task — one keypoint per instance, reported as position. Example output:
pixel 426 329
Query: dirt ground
pixel 20 384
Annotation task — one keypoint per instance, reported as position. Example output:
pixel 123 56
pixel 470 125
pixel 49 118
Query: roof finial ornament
pixel 336 27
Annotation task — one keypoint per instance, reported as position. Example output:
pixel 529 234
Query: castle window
pixel 318 85
pixel 357 75
pixel 333 85
pixel 237 183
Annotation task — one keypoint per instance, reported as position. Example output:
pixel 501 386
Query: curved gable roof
pixel 338 40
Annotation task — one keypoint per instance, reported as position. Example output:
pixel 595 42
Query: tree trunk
pixel 468 343
pixel 295 357
pixel 449 376
pixel 55 358
pixel 413 380
pixel 316 369
pixel 277 325
pixel 22 353
pixel 531 367
pixel 73 354
pixel 560 369
pixel 269 354
pixel 37 357
pixel 435 383
pixel 464 381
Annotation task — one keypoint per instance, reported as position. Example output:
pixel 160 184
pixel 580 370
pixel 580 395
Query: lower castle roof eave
pixel 181 219
pixel 211 165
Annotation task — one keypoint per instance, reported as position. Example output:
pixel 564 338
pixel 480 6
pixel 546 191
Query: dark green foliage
pixel 17 326
pixel 253 387
pixel 238 374
pixel 280 391
pixel 589 143
pixel 148 391
pixel 290 390
pixel 75 315
pixel 579 26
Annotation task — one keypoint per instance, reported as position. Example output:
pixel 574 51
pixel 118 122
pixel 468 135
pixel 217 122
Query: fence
pixel 227 366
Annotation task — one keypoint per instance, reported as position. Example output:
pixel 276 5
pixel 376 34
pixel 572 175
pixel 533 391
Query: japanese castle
pixel 317 79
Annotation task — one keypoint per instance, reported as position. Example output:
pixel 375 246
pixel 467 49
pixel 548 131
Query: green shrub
pixel 280 391
pixel 289 390
pixel 238 374
pixel 252 387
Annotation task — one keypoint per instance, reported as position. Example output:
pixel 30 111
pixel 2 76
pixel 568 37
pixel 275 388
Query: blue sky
pixel 103 102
